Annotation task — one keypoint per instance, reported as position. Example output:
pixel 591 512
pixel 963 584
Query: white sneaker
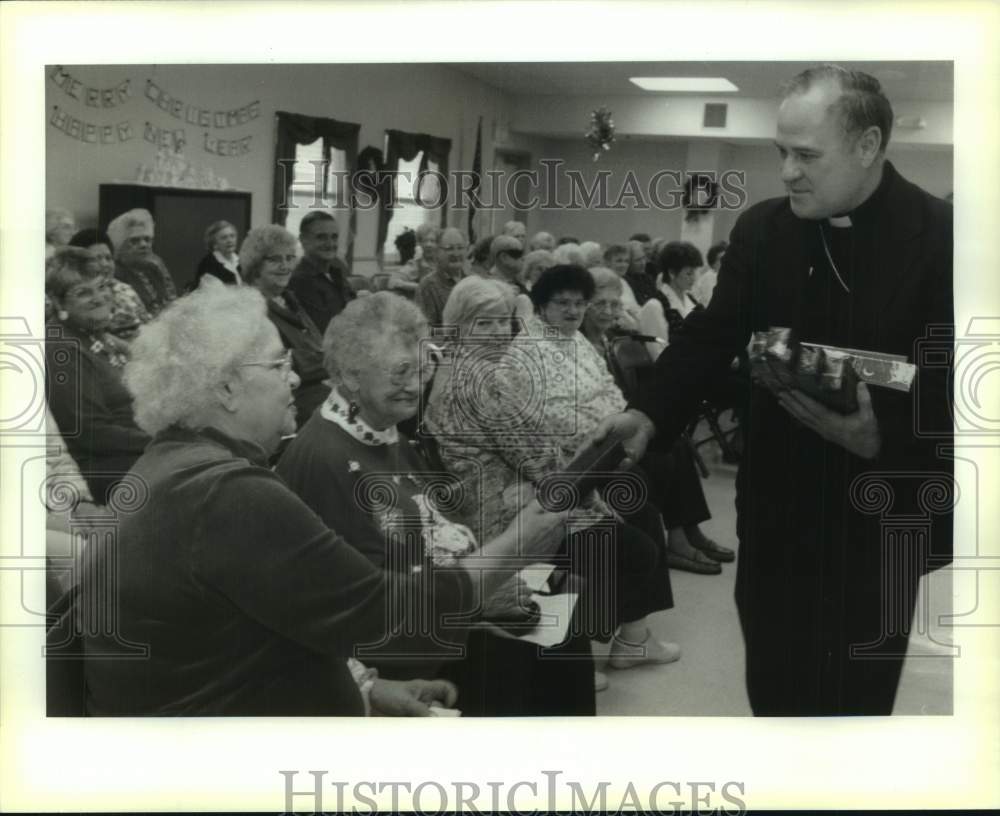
pixel 628 655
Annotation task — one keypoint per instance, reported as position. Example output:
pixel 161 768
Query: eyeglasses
pixel 277 259
pixel 567 305
pixel 606 306
pixel 404 373
pixel 283 363
pixel 457 248
pixel 514 253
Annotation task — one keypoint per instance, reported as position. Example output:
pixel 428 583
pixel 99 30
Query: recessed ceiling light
pixel 685 84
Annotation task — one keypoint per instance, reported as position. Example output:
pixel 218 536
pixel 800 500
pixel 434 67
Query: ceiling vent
pixel 715 114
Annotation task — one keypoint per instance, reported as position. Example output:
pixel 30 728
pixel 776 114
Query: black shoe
pixel 713 550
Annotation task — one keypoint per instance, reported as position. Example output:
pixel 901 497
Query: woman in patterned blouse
pixel 127 310
pixel 512 412
pixel 84 365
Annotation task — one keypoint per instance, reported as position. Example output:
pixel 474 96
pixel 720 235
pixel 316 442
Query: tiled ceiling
pixel 931 81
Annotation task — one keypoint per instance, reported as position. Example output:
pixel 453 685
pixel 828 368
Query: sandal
pixel 701 563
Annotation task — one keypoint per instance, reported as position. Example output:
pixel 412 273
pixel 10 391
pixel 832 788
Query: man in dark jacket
pixel 320 279
pixel 838 515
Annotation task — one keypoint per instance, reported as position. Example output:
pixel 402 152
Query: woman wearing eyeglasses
pixel 267 259
pixel 235 597
pixel 84 364
pixel 368 481
pixel 523 414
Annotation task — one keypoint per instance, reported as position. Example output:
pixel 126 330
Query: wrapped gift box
pixel 826 373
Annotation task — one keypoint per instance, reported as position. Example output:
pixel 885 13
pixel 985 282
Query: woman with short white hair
pixel 536 262
pixel 593 255
pixel 479 312
pixel 247 603
pixel 518 414
pixel 569 255
pixel 136 264
pixel 222 261
pixel 363 477
pixel 60 224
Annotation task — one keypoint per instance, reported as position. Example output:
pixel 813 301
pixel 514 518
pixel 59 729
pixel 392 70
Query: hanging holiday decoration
pixel 200 117
pixel 89 131
pixel 602 131
pixel 92 97
pixel 701 195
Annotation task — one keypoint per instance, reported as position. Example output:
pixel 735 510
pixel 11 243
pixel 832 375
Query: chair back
pixel 631 364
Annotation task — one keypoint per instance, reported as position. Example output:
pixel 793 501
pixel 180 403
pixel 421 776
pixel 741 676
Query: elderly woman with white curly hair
pixel 246 602
pixel 136 264
pixel 363 477
pixel 267 259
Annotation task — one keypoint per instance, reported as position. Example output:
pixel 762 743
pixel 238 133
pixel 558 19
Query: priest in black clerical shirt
pixel 837 516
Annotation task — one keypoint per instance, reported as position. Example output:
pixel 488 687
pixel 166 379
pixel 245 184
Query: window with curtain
pixel 409 212
pixel 415 152
pixel 303 190
pixel 301 139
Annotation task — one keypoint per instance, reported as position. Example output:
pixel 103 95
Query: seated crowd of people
pixel 344 489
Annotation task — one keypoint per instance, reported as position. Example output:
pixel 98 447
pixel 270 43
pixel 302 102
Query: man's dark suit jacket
pixel 323 293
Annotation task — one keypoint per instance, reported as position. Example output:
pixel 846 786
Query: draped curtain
pixel 295 129
pixel 406 146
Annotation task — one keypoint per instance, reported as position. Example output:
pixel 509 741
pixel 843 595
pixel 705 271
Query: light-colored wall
pixel 441 101
pixel 930 168
pixel 643 159
pixel 681 116
pixel 430 99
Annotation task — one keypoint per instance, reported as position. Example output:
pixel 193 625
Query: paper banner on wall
pixel 200 117
pixel 88 131
pixel 90 96
pixel 226 147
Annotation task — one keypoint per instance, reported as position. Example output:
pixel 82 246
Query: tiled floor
pixel 708 679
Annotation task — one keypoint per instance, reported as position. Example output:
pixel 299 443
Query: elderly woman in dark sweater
pixel 351 464
pixel 239 599
pixel 84 365
pixel 222 261
pixel 136 264
pixel 267 258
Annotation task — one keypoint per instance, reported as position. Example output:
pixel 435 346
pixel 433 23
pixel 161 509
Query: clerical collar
pixel 337 410
pixel 868 209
